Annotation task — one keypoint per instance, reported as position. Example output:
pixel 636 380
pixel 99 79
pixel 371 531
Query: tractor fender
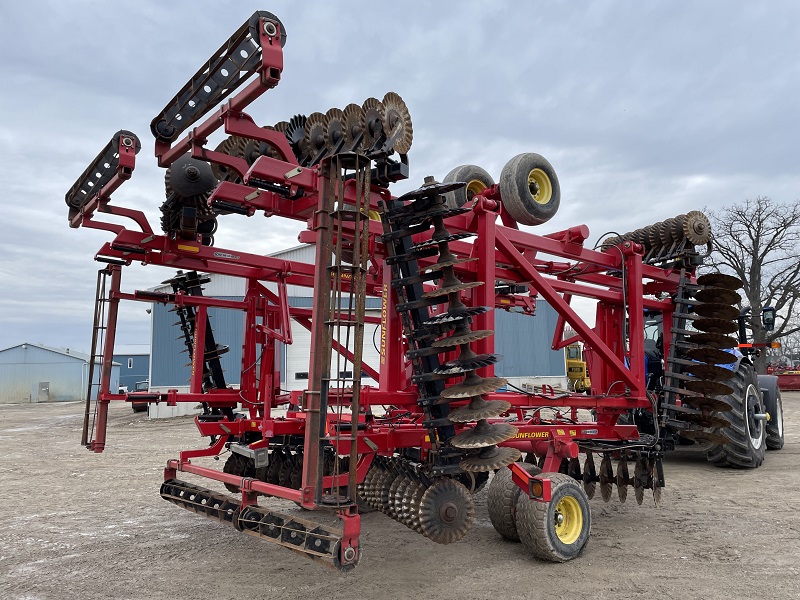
pixel 769 392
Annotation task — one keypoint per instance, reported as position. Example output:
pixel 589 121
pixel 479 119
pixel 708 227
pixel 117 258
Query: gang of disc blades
pixel 490 459
pixel 720 280
pixel 718 295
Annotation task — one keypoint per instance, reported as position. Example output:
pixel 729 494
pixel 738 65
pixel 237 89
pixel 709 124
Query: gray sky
pixel 645 110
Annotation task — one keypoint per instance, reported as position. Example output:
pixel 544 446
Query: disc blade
pixel 709 372
pixel 713 340
pixel 606 477
pixel 716 311
pixel 712 356
pixel 718 295
pixel 478 409
pixel 720 280
pixel 711 325
pixel 589 476
pixel 708 388
pixel 446 511
pixel 623 478
pixel 484 434
pixel 490 459
pixel 474 387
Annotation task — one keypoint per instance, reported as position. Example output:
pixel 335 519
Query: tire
pixel 747 437
pixel 558 530
pixel 476 179
pixel 502 501
pixel 529 189
pixel 775 439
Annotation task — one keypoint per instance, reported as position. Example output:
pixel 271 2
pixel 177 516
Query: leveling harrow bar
pixel 441 259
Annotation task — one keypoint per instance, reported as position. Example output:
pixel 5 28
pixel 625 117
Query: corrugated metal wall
pixel 170 364
pixel 139 369
pixel 525 341
pixel 23 369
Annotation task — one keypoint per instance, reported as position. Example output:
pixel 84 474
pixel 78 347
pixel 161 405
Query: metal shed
pixel 37 373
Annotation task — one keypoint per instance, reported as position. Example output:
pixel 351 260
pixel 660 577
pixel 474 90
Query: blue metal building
pixel 37 373
pixel 134 364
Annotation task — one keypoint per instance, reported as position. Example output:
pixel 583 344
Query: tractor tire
pixel 775 424
pixel 529 189
pixel 477 181
pixel 746 436
pixel 558 530
pixel 502 501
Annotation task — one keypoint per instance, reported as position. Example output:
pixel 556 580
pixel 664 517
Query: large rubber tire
pixel 529 189
pixel 476 179
pixel 775 439
pixel 747 437
pixel 558 530
pixel 502 501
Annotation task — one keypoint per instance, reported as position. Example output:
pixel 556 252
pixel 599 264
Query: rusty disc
pixel 352 114
pixel 701 436
pixel 474 386
pixel 717 311
pixel 490 459
pixel 712 356
pixel 445 263
pixel 711 421
pixel 696 228
pixel 452 289
pixel 665 231
pixel 470 362
pixel 478 409
pixel 410 503
pixel 655 482
pixel 640 479
pixel 708 388
pixel 709 372
pixel 706 404
pixel 718 295
pixel 606 477
pixel 314 134
pixel 623 478
pixel 484 434
pixel 589 476
pixel 398 120
pixel 713 340
pixel 720 280
pixel 372 119
pixel 466 338
pixel 334 128
pixel 720 326
pixel 446 511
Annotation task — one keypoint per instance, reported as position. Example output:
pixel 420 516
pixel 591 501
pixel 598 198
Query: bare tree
pixel 758 240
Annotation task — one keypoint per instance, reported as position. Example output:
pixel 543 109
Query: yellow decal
pixel 573 432
pixel 384 302
pixel 186 248
pixel 560 432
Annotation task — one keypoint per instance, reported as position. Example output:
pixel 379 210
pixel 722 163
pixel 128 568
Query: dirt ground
pixel 81 525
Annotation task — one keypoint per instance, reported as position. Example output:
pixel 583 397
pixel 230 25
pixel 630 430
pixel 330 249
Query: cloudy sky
pixel 645 109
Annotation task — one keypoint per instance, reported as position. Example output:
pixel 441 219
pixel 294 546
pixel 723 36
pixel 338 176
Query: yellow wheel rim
pixel 476 186
pixel 568 520
pixel 540 187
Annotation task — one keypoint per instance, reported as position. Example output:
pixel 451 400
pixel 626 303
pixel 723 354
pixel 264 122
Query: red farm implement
pixel 441 259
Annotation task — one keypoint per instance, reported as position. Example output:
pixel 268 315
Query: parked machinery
pixel 441 258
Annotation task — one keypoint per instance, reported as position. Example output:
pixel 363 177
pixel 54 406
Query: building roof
pixel 132 349
pixel 62 351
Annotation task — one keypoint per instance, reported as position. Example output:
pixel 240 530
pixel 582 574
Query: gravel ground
pixel 82 525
